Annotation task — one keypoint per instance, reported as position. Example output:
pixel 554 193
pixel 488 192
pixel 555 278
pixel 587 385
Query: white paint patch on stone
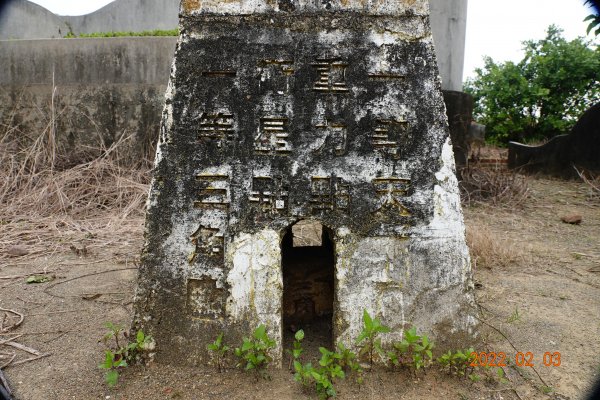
pixel 256 282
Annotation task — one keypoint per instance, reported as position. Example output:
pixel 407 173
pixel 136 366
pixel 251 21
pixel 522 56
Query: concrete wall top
pixel 21 19
pixel 374 7
pixel 140 60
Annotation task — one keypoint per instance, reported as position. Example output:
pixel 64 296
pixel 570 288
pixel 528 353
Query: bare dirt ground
pixel 537 285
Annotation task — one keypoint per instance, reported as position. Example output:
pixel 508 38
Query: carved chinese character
pixel 269 194
pixel 334 137
pixel 329 193
pixel 388 135
pixel 390 191
pixel 217 127
pixel 208 241
pixel 214 191
pixel 275 75
pixel 272 137
pixel 331 75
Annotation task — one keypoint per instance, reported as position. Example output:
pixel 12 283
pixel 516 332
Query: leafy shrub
pixel 120 355
pixel 369 338
pixel 218 351
pixel 413 351
pixel 254 353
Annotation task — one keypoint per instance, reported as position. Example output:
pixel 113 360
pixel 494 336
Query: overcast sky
pixel 495 28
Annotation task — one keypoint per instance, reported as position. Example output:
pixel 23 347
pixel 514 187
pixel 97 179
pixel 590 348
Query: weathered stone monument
pixel 280 112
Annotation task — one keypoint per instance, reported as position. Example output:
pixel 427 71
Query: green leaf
pixel 111 378
pixel 260 332
pixel 299 335
pixel 39 279
pixel 247 345
pixel 367 320
pixel 140 337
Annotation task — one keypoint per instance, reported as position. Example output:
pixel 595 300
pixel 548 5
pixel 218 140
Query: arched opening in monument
pixel 307 262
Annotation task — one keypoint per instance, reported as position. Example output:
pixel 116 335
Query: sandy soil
pixel 547 300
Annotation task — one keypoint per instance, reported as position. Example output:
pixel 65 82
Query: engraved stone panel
pixel 278 112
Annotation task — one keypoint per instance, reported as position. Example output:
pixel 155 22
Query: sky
pixel 495 28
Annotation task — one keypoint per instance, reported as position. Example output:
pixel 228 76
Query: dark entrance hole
pixel 307 259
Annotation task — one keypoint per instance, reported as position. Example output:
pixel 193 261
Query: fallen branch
pixel 24 348
pixel 25 275
pixel 42 332
pixel 56 312
pixel 21 318
pixel 29 359
pixel 6 364
pixel 10 340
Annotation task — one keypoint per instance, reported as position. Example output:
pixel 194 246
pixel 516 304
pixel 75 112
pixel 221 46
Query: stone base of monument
pixel 281 112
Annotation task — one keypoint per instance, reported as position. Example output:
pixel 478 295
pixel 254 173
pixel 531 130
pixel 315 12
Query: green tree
pixel 594 24
pixel 541 96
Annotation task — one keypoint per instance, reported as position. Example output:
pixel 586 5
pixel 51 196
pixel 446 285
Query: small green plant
pixel 456 363
pixel 349 362
pixel 254 353
pixel 414 350
pixel 123 352
pixel 323 376
pixel 490 374
pixel 218 351
pixel 368 340
pixel 515 316
pixel 297 350
pixel 546 389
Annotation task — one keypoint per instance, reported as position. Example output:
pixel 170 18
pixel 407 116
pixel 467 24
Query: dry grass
pixel 494 186
pixel 47 192
pixel 593 182
pixel 488 251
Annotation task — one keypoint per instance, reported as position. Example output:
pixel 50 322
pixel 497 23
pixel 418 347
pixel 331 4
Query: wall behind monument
pixel 102 88
pixel 108 87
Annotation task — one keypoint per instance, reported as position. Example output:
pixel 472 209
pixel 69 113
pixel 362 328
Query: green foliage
pixel 332 366
pixel 593 25
pixel 118 355
pixel 349 362
pixel 218 351
pixel 413 351
pixel 322 376
pixel 594 21
pixel 254 353
pixel 490 374
pixel 515 316
pixel 542 95
pixel 368 340
pixel 156 32
pixel 456 363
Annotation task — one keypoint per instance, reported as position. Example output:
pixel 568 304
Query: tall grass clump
pixel 48 191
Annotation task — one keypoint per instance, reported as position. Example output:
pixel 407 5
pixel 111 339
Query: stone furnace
pixel 292 114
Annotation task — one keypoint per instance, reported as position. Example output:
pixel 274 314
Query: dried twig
pixel 16 324
pixel 47 289
pixel 23 347
pixel 6 364
pixel 29 359
pixel 43 332
pixel 593 183
pixel 498 187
